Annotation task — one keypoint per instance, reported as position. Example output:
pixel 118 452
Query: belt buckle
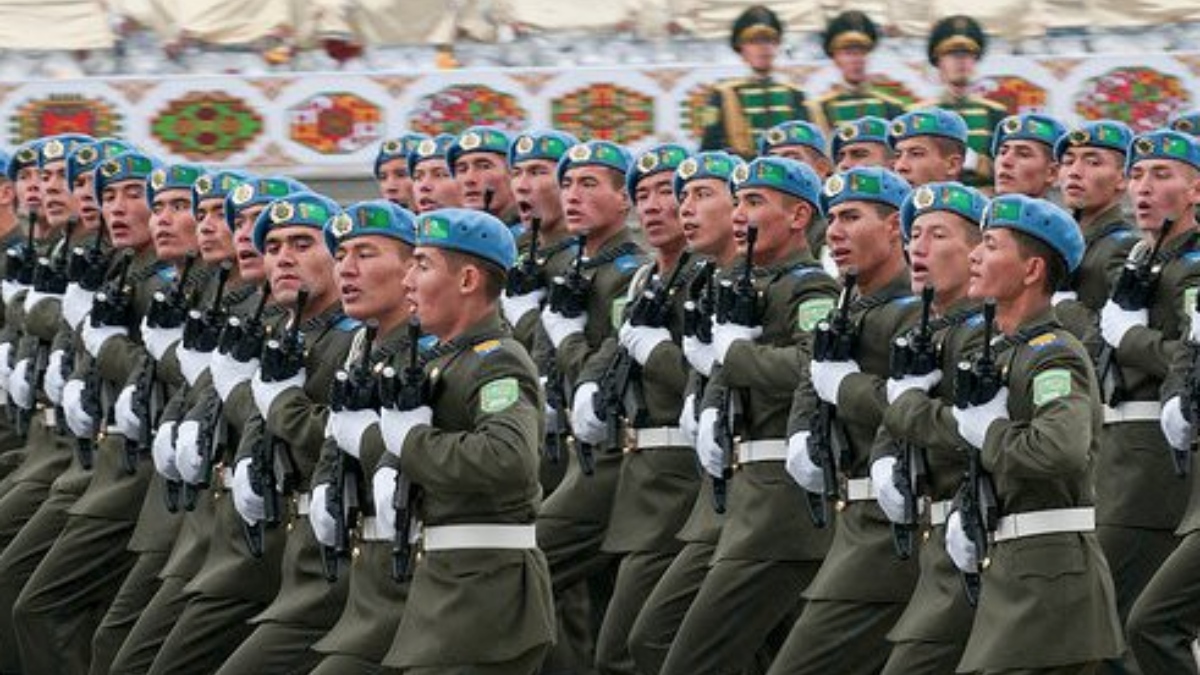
pixel 736 452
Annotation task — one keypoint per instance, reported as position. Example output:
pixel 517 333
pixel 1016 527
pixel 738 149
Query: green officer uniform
pixel 846 102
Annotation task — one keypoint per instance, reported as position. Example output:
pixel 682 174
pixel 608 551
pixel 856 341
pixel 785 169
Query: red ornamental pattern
pixel 64 113
pixel 457 107
pixel 335 123
pixel 207 126
pixel 604 111
pixel 1015 93
pixel 1142 97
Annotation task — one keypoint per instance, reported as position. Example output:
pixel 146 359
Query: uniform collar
pixel 1109 220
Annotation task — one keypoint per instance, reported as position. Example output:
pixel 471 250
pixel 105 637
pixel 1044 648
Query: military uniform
pixel 847 102
pixel 982 117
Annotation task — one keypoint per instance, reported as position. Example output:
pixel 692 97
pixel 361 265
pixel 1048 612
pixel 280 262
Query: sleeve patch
pixel 1189 301
pixel 498 395
pixel 812 312
pixel 1050 385
pixel 618 311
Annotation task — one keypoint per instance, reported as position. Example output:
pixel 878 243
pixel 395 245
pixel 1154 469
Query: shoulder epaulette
pixel 168 273
pixel 426 343
pixel 904 300
pixel 989 103
pixel 1044 340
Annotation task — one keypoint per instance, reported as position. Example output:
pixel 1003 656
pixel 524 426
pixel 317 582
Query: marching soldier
pixel 861 142
pixel 955 46
pixel 434 186
pixel 391 169
pixel 11 236
pixel 848 39
pixel 1023 149
pixel 929 145
pixel 1036 433
pixel 861 587
pixel 741 109
pixel 803 142
pixel 480 599
pixel 478 161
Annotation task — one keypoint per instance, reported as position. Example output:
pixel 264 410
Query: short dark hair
pixel 949 146
pixel 1056 266
pixel 494 278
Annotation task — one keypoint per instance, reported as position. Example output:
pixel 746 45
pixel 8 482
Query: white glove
pixel 32 298
pixel 18 385
pixel 725 334
pixel 249 505
pixel 192 363
pixel 959 546
pixel 159 340
pixel 688 423
pixel 925 383
pixel 53 381
pixel 974 422
pixel 1174 425
pixel 76 304
pixel 5 369
pixel 883 477
pixel 641 341
pixel 94 338
pixel 383 489
pixel 1063 296
pixel 228 373
pixel 347 428
pixel 586 424
pixel 128 424
pixel 1116 322
pixel 323 525
pixel 395 426
pixel 189 456
pixel 162 451
pixel 79 422
pixel 827 378
pixel 515 307
pixel 708 451
pixel 1194 327
pixel 700 355
pixel 9 290
pixel 265 393
pixel 559 327
pixel 800 465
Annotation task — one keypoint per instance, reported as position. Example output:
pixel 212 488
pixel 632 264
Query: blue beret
pixel 25 156
pixel 1039 219
pixel 173 177
pixel 658 159
pixel 215 185
pixel 255 191
pixel 1188 123
pixel 478 139
pixel 85 157
pixel 953 197
pixel 550 145
pixel 865 184
pixel 797 132
pixel 927 122
pixel 713 164
pixel 1163 144
pixel 468 231
pixel 56 148
pixel 595 153
pixel 131 165
pixel 1028 127
pixel 375 217
pixel 397 148
pixel 1108 134
pixel 429 148
pixel 298 209
pixel 781 174
pixel 868 129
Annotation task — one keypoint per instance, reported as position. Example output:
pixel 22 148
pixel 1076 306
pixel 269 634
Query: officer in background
pixel 391 169
pixel 861 142
pixel 849 39
pixel 929 145
pixel 740 109
pixel 1023 148
pixel 956 44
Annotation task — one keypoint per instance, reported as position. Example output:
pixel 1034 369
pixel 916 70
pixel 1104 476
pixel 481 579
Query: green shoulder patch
pixel 1052 384
pixel 812 312
pixel 618 311
pixel 498 395
pixel 1189 300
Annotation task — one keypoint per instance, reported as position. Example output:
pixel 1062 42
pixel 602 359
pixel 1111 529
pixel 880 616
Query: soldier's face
pixel 251 266
pixel 781 221
pixel 295 257
pixel 860 236
pixel 852 62
pixel 921 160
pixel 804 155
pixel 536 190
pixel 435 289
pixel 29 188
pixel 706 215
pixel 434 187
pixel 1160 189
pixel 863 154
pixel 759 53
pixel 367 269
pixel 394 182
pixel 85 197
pixel 658 212
pixel 212 233
pixel 58 202
pixel 1091 178
pixel 172 224
pixel 957 68
pixel 476 172
pixel 126 214
pixel 592 201
pixel 939 248
pixel 1024 167
pixel 998 270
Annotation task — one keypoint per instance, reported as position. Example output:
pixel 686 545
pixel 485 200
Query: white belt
pixel 303 503
pixel 860 490
pixel 749 452
pixel 450 537
pixel 1051 521
pixel 659 437
pixel 1133 411
pixel 113 430
pixel 940 511
pixel 225 478
pixel 50 418
pixel 373 529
